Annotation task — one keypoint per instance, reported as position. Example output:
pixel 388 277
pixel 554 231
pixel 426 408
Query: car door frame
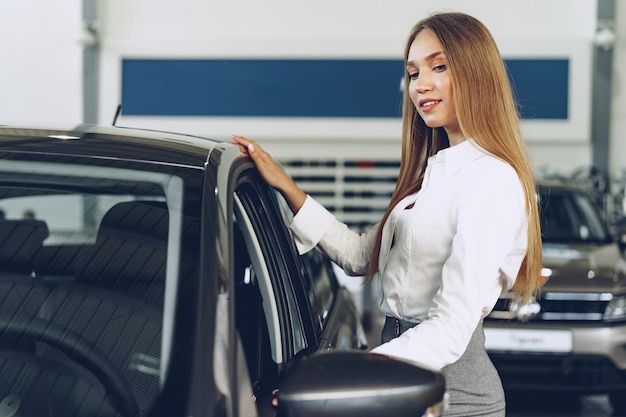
pixel 260 204
pixel 226 172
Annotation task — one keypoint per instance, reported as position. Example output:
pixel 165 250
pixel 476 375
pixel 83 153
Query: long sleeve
pixel 313 226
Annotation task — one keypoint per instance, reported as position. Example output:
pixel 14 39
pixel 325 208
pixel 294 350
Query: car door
pixel 272 314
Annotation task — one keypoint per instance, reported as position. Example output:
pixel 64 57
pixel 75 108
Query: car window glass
pixel 323 284
pixel 317 271
pixel 253 286
pixel 256 310
pixel 279 254
pixel 274 274
pixel 85 259
pixel 570 217
pixel 590 224
pixel 285 211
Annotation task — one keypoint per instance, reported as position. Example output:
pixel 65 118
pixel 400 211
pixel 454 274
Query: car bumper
pixel 592 361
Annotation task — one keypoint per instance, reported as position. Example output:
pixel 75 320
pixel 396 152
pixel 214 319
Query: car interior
pixel 254 309
pixel 83 321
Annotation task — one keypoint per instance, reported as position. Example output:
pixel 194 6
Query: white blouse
pixel 447 252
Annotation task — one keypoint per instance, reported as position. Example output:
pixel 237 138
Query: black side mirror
pixel 360 384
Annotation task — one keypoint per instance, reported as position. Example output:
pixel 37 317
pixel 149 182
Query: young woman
pixel 462 226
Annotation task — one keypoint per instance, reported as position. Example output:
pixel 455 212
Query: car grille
pixel 554 306
pixel 557 372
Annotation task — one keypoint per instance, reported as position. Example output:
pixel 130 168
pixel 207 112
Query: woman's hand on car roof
pixel 272 172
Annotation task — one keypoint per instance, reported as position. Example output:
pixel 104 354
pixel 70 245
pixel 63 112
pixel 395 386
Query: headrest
pixel 143 218
pixel 131 245
pixel 20 242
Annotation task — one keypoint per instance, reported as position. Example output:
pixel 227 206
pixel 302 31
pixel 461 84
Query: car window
pixel 85 259
pixel 256 309
pixel 323 283
pixel 570 216
pixel 320 279
pixel 272 318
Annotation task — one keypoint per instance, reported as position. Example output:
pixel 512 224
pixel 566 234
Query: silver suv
pixel 572 338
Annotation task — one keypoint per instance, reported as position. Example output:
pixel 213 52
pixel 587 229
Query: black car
pixel 572 337
pixel 152 274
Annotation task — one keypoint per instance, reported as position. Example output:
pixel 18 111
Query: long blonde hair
pixel 486 111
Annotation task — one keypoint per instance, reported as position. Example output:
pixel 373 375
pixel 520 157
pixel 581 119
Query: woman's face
pixel 430 85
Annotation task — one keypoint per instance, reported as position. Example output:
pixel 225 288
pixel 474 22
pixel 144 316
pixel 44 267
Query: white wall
pixel 41 71
pixel 350 28
pixel 41 77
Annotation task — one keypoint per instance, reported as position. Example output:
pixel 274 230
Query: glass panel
pixel 570 217
pixel 321 283
pixel 83 286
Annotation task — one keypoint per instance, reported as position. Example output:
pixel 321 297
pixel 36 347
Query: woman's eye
pixel 414 75
pixel 441 67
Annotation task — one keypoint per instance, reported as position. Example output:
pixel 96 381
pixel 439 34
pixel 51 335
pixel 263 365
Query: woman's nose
pixel 422 84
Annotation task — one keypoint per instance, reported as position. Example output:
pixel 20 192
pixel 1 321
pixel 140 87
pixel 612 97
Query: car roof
pixel 110 142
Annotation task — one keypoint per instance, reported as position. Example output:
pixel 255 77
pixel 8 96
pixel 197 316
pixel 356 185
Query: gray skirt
pixel 472 382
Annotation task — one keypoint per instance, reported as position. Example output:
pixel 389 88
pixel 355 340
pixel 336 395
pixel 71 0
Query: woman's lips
pixel 428 104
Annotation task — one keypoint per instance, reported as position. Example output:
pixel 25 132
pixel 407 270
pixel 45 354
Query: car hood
pixel 584 267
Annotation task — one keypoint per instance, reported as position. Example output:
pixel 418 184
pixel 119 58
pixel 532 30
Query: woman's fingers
pixel 271 172
pixel 263 160
pixel 244 142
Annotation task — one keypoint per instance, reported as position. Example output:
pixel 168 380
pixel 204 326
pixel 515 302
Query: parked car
pixel 572 338
pixel 152 274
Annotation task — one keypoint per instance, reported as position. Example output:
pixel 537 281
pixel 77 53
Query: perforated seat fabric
pixel 130 253
pixel 123 331
pixel 20 243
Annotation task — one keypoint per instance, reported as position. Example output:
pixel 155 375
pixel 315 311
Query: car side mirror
pixel 360 384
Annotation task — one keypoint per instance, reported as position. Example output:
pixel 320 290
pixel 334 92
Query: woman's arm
pixel 272 173
pixel 312 224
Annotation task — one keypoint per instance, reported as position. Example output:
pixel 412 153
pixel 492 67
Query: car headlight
pixel 616 309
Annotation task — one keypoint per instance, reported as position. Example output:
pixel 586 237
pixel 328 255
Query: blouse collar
pixel 458 156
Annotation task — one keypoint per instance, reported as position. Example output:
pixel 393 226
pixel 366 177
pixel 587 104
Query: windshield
pixel 85 259
pixel 569 216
